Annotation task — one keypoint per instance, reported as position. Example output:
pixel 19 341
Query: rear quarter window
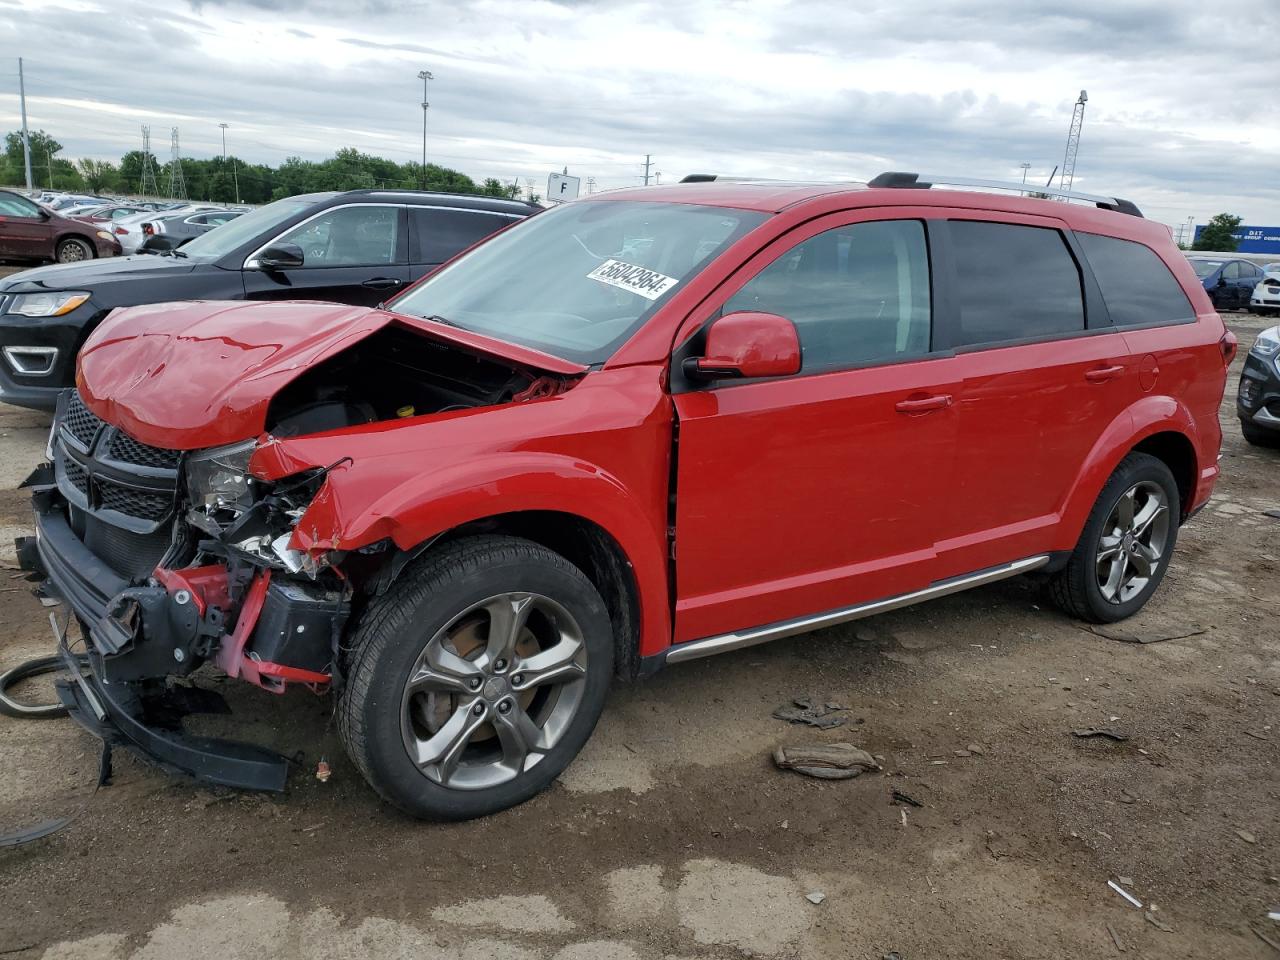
pixel 442 233
pixel 1136 285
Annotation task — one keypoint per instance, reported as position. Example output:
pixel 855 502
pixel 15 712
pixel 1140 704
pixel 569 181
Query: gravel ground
pixel 674 836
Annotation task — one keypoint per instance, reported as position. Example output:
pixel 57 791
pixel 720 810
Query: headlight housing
pixel 52 304
pixel 105 235
pixel 1268 344
pixel 218 478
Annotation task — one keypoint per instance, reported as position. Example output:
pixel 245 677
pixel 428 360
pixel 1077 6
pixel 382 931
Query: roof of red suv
pixel 775 196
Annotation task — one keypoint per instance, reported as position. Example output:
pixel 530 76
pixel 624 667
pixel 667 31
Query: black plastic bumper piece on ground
pixel 87 585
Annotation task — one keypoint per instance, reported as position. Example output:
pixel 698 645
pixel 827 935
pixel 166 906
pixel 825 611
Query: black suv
pixel 357 247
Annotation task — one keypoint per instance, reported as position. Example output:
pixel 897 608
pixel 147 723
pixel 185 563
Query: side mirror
pixel 748 344
pixel 280 256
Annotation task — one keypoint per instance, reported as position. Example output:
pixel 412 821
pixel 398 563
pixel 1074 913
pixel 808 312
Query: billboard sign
pixel 1254 239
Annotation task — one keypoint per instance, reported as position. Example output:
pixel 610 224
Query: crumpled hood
pixel 183 376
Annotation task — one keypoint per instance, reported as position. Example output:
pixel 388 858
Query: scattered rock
pixel 1157 922
pixel 1246 836
pixel 816 897
pixel 1100 732
pixel 976 749
pixel 826 761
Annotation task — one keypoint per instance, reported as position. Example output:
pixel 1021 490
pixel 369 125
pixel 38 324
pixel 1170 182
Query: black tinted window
pixel 442 233
pixel 1232 271
pixel 1136 284
pixel 856 294
pixel 1014 282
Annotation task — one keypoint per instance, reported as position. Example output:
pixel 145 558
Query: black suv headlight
pixel 52 304
pixel 218 478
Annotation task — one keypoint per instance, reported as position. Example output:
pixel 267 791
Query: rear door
pixel 805 494
pixel 25 233
pixel 1043 373
pixel 437 234
pixel 355 253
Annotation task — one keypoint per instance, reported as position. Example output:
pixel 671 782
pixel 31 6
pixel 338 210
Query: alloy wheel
pixel 493 691
pixel 1133 542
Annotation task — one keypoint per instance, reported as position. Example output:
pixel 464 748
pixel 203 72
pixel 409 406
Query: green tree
pixel 1217 234
pixel 98 175
pixel 42 145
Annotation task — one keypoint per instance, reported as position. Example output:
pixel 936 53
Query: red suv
pixel 639 429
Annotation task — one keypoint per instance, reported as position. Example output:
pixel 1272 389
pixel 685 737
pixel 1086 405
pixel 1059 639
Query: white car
pixel 128 230
pixel 1265 298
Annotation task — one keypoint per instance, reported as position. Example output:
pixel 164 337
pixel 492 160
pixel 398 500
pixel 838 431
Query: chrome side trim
pixel 31 361
pixel 708 646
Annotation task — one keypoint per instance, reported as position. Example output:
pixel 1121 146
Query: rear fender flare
pixel 476 489
pixel 1145 418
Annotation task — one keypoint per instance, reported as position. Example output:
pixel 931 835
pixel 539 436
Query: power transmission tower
pixel 1073 143
pixel 648 162
pixel 177 185
pixel 148 186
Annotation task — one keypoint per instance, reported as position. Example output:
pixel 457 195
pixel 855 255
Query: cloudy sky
pixel 1182 117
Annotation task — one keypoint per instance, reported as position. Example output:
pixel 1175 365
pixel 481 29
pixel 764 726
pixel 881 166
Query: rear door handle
pixel 1102 374
pixel 382 283
pixel 923 404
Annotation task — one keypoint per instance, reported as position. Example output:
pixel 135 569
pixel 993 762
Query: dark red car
pixel 636 430
pixel 31 232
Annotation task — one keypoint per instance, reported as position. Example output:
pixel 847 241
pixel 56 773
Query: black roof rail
pixel 698 178
pixel 896 180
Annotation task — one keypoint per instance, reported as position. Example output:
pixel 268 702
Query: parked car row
pixel 638 429
pixel 1234 284
pixel 30 232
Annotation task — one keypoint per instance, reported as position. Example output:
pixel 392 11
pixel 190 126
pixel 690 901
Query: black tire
pixel 1075 588
pixel 73 250
pixel 1259 436
pixel 397 628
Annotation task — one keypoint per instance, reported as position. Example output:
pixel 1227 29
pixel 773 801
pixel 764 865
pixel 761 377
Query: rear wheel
pixel 1126 545
pixel 73 250
pixel 477 678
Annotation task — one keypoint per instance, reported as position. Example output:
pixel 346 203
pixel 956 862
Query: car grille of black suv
pixel 121 492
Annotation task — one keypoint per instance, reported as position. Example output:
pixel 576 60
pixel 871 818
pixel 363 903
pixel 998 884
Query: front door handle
pixel 938 401
pixel 1102 374
pixel 382 283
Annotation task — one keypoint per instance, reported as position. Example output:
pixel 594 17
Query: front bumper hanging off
pixel 125 713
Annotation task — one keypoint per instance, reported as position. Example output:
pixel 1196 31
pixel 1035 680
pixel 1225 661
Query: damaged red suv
pixel 638 429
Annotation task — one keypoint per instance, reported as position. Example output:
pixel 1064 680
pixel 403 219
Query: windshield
pixel 1205 267
pixel 577 281
pixel 218 243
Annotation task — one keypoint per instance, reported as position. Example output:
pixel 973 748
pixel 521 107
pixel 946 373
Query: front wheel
pixel 476 678
pixel 1259 436
pixel 73 250
pixel 1127 543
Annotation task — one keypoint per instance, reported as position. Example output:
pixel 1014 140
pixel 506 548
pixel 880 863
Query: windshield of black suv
pixel 1205 267
pixel 236 233
pixel 578 280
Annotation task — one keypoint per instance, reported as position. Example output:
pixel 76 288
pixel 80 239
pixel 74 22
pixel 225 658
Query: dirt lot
pixel 673 835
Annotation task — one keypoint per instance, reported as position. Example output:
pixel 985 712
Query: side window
pixel 1248 271
pixel 857 294
pixel 1014 283
pixel 1135 283
pixel 1231 271
pixel 12 205
pixel 442 233
pixel 357 236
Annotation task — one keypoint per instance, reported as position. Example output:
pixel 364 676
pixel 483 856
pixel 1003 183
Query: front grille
pixel 144 504
pixel 132 555
pixel 80 421
pixel 79 479
pixel 128 450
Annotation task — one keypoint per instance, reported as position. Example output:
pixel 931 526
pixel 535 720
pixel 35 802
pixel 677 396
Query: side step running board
pixel 706 647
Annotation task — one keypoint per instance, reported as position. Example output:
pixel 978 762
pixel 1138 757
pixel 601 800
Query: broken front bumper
pixel 126 713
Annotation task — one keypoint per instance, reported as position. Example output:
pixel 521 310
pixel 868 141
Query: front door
pixel 25 233
pixel 354 254
pixel 805 494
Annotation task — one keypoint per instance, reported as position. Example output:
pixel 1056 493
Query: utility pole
pixel 26 138
pixel 1025 167
pixel 1073 143
pixel 424 76
pixel 235 176
pixel 648 162
pixel 591 185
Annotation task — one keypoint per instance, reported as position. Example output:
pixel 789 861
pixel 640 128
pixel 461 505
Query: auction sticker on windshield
pixel 627 276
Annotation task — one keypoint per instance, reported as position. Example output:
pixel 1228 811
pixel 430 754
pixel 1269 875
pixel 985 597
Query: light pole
pixel 1025 167
pixel 234 175
pixel 424 76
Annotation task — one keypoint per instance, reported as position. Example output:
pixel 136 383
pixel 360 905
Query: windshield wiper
pixel 436 318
